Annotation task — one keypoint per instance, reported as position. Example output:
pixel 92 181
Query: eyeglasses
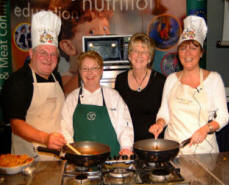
pixel 92 69
pixel 142 53
pixel 45 54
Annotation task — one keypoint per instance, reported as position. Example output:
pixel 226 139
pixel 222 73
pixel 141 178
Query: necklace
pixel 139 89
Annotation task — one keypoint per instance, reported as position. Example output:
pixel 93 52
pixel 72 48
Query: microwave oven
pixel 112 48
pixel 114 51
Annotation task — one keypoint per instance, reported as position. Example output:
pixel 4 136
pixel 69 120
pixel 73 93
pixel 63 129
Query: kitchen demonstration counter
pixel 198 169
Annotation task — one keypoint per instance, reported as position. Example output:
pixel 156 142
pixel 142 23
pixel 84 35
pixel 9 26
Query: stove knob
pixel 116 157
pixel 109 158
pixel 124 157
pixel 177 170
pixel 133 157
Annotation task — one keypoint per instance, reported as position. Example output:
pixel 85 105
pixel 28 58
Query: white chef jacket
pixel 117 110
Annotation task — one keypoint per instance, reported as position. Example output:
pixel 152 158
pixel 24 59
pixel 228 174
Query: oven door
pixel 110 73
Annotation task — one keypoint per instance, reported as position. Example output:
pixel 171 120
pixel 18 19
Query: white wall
pixel 227 93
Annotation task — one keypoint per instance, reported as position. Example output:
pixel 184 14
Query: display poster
pixel 5 44
pixel 160 19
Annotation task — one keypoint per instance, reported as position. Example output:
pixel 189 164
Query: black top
pixel 17 92
pixel 144 105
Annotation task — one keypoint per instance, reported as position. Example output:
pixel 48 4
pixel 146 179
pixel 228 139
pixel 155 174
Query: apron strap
pixel 201 76
pixel 35 78
pixel 180 76
pixel 54 77
pixel 104 104
pixel 81 91
pixel 200 87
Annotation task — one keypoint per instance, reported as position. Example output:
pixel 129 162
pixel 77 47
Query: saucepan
pixel 158 150
pixel 91 153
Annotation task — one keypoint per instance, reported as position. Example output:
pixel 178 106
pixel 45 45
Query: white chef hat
pixel 45 28
pixel 195 28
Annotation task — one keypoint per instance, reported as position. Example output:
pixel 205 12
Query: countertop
pixel 201 169
pixel 204 169
pixel 45 173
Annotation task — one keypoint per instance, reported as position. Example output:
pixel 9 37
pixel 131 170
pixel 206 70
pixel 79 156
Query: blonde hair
pixel 144 39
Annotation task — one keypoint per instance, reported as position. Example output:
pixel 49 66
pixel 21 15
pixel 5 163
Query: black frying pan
pixel 159 150
pixel 92 153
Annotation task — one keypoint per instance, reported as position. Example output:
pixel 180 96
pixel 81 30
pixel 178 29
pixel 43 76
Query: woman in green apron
pixel 97 113
pixel 194 102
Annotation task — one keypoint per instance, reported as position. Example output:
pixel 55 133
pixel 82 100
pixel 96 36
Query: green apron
pixel 92 123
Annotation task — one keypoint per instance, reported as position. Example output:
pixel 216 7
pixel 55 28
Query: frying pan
pixel 159 150
pixel 92 153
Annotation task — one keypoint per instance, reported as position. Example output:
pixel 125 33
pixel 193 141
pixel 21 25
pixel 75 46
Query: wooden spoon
pixel 73 149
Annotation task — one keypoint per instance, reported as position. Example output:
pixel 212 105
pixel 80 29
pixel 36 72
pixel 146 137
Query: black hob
pixel 117 172
pixel 158 173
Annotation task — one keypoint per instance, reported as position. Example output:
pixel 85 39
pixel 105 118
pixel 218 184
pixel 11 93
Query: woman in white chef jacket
pixel 194 100
pixel 96 113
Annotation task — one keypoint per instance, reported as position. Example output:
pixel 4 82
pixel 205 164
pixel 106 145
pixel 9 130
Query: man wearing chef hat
pixel 33 96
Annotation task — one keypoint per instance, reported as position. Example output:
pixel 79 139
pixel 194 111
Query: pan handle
pixel 48 150
pixel 185 142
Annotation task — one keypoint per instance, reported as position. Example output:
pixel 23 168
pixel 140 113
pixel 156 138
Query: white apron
pixel 188 112
pixel 43 113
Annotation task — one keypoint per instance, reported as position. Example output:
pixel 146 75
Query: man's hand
pixel 55 140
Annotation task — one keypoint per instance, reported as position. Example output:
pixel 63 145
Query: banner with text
pixel 5 46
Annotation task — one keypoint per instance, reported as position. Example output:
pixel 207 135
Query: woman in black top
pixel 141 87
